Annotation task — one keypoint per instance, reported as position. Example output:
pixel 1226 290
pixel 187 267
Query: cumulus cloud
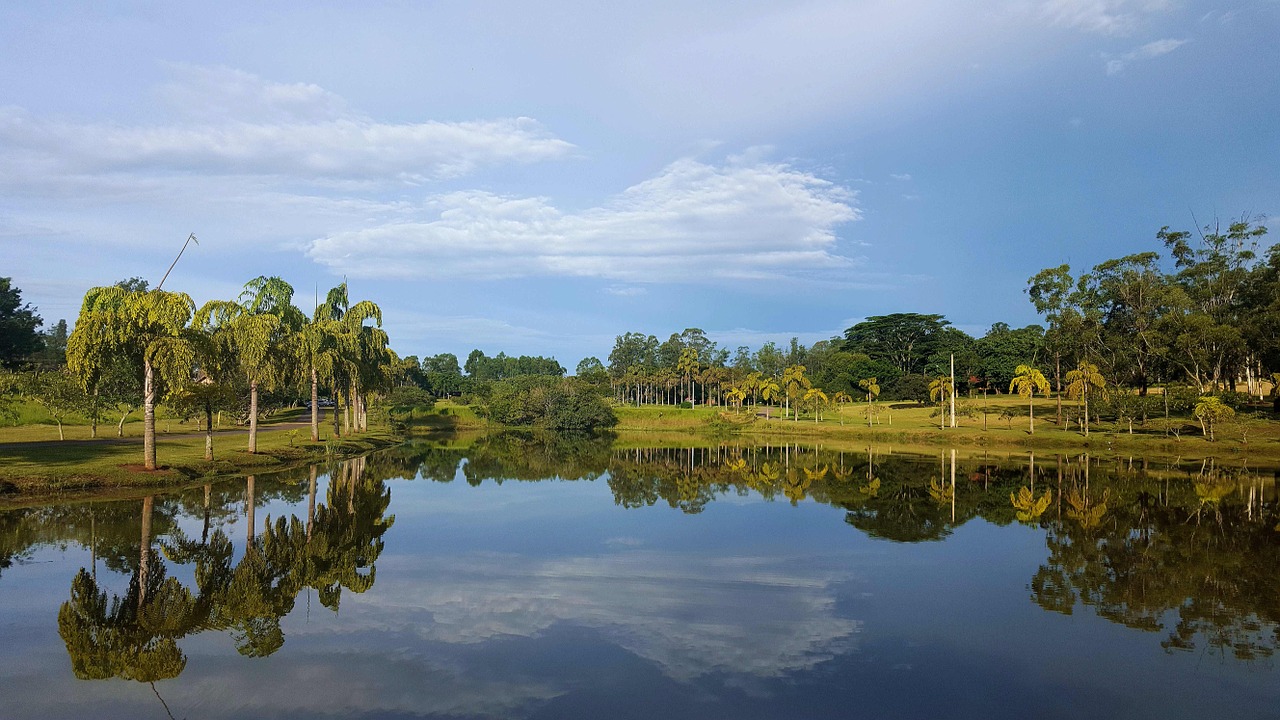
pixel 1107 17
pixel 235 123
pixel 1146 52
pixel 760 616
pixel 692 222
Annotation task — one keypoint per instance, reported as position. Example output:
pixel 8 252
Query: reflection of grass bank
pixel 1005 426
pixel 46 468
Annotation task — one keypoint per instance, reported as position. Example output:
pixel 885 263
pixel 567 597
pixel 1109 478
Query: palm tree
pixel 1079 381
pixel 818 399
pixel 314 346
pixel 358 350
pixel 256 330
pixel 769 392
pixel 940 389
pixel 688 366
pixel 735 395
pixel 1026 381
pixel 120 321
pixel 794 384
pixel 751 384
pixel 843 398
pixel 872 388
pixel 1209 411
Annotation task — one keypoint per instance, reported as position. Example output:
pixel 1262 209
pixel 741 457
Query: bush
pixel 549 402
pixel 408 398
pixel 686 405
pixel 906 387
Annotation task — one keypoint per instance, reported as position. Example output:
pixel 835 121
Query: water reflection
pixel 480 621
pixel 135 636
pixel 1191 551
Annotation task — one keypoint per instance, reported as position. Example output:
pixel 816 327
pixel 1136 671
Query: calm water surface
pixel 530 577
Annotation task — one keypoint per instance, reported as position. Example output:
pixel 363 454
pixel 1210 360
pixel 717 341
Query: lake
pixel 527 576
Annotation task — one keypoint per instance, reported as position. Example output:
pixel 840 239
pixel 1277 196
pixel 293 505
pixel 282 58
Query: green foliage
pixel 18 323
pixel 1211 411
pixel 1029 508
pixel 548 402
pixel 58 392
pixel 904 340
pixel 500 367
pixel 907 387
pixel 407 398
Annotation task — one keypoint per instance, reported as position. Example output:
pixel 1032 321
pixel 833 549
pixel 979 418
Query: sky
pixel 538 178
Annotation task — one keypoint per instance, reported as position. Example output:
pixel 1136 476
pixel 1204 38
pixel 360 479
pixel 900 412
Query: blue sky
pixel 538 178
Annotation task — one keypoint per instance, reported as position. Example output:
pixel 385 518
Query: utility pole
pixel 953 390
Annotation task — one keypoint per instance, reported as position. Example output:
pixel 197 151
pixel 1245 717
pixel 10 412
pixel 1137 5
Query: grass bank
pixel 1000 423
pixel 39 468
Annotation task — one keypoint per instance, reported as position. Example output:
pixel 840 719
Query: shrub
pixel 549 402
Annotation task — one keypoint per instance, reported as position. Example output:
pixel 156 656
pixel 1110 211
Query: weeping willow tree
pixel 119 321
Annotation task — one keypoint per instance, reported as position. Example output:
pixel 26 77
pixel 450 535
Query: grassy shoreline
pixel 42 469
pixel 34 468
pixel 912 425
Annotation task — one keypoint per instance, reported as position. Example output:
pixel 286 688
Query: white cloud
pixel 901 177
pixel 1146 52
pixel 235 123
pixel 1107 17
pixel 228 94
pixel 626 290
pixel 692 222
pixel 760 616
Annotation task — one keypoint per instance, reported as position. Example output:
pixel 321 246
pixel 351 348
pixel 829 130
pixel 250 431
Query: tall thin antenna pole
pixel 190 239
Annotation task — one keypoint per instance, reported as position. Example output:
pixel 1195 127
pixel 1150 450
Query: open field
pixel 1005 425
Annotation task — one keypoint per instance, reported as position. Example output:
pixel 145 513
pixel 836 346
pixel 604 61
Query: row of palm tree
pixel 201 356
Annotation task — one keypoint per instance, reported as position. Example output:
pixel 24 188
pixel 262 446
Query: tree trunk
pixel 60 435
pixel 248 511
pixel 93 419
pixel 148 416
pixel 144 550
pixel 953 390
pixel 1085 395
pixel 253 416
pixel 1057 380
pixel 311 501
pixel 336 430
pixel 346 410
pixel 315 406
pixel 208 432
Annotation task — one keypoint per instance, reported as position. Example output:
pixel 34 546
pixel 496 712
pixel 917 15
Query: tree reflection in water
pixel 135 637
pixel 1189 553
pixel 1193 554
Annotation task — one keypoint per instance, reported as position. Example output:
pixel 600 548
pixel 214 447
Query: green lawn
pixel 997 421
pixel 34 462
